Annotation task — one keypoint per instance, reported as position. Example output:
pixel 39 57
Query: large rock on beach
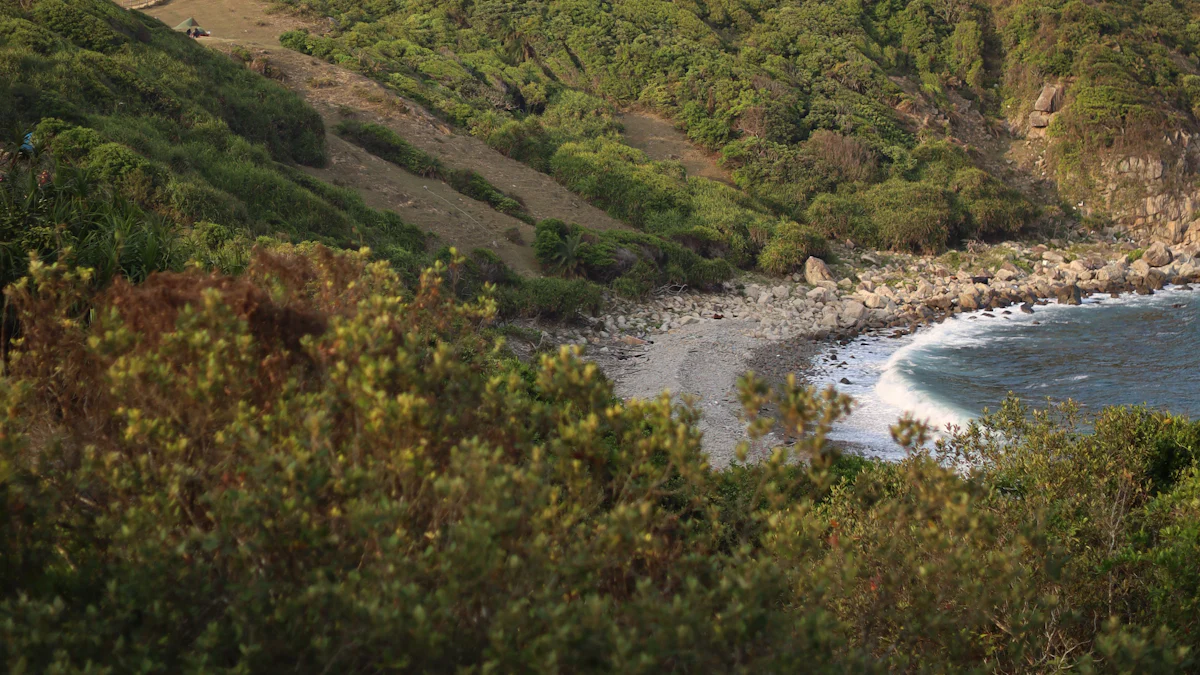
pixel 1069 295
pixel 1158 255
pixel 969 301
pixel 1112 272
pixel 815 271
pixel 852 313
pixel 1140 268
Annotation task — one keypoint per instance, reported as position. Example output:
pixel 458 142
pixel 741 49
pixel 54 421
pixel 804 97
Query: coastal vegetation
pixel 251 424
pixel 182 134
pixel 317 466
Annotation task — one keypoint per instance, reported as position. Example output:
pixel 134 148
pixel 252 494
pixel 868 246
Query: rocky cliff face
pixel 1153 193
pixel 1157 195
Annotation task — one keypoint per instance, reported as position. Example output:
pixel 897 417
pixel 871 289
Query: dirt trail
pixel 661 141
pixel 338 94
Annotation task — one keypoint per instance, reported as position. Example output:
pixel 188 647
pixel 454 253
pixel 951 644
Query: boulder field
pixel 897 296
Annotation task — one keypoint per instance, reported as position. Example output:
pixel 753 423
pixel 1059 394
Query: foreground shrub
pixel 48 212
pixel 313 468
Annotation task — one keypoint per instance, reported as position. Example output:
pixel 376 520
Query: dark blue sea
pixel 1131 350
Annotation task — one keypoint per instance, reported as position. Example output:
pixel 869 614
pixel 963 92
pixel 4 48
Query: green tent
pixel 189 23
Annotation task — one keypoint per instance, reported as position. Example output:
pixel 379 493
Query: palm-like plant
pixel 51 210
pixel 565 259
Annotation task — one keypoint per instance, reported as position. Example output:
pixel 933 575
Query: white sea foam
pixel 880 370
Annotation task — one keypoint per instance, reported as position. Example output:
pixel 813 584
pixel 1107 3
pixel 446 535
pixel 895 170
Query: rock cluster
pixel 899 296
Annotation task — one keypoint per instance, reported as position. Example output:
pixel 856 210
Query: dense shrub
pixel 197 136
pixel 47 212
pixel 385 143
pixel 550 298
pixel 994 210
pixel 791 246
pixel 912 216
pixel 840 217
pixel 633 262
pixel 357 479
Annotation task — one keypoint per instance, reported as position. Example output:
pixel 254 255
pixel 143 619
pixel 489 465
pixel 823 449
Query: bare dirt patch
pixel 662 142
pixel 247 22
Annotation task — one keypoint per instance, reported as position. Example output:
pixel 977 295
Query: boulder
pixel 821 294
pixel 1140 268
pixel 969 301
pixel 1039 120
pixel 815 270
pixel 1156 280
pixel 781 292
pixel 1052 257
pixel 1069 295
pixel 1112 272
pixel 1049 100
pixel 852 312
pixel 1158 255
pixel 829 318
pixel 874 301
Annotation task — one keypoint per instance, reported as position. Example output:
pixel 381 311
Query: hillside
pixel 804 99
pixel 153 152
pixel 177 130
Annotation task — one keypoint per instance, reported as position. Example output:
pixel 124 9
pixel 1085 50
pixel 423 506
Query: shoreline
pixel 698 344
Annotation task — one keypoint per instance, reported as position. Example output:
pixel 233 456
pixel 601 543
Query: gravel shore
pixel 698 344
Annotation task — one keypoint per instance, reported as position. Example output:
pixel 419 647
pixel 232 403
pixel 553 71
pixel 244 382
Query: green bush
pixel 994 210
pixel 387 144
pixel 84 29
pixel 791 246
pixel 912 216
pixel 549 298
pixel 840 217
pixel 48 212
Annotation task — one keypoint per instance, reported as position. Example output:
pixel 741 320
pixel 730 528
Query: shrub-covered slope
pixel 175 129
pixel 796 96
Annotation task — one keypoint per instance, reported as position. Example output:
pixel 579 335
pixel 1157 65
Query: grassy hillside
pixel 1132 70
pixel 359 480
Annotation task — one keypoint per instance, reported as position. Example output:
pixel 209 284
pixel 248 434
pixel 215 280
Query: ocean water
pixel 1129 350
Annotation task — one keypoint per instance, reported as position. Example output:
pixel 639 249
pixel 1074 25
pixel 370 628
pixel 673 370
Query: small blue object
pixel 27 146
